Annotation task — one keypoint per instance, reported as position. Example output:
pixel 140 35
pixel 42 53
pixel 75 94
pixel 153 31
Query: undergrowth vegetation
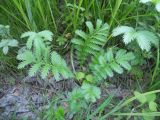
pixel 96 44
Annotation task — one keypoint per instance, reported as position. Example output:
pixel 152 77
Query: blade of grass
pixel 115 11
pixel 156 67
pixel 118 107
pixel 53 19
pixel 18 5
pixel 138 114
pixel 101 107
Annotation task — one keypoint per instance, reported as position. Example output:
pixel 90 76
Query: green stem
pixel 72 63
pixel 77 15
pixel 54 22
pixel 126 103
pixel 115 11
pixel 156 68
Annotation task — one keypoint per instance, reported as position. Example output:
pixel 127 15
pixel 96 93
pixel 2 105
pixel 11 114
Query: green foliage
pixel 76 101
pixel 83 77
pixel 79 98
pixel 143 38
pixel 150 99
pixel 147 117
pixel 54 114
pixel 87 44
pixel 140 97
pixel 7 41
pixel 80 75
pixel 153 106
pixel 91 93
pixel 105 63
pixel 41 58
pixel 65 17
pixel 4 31
pixel 156 2
pixel 44 62
pixel 37 39
pixel 61 40
pixel 89 78
pixel 147 99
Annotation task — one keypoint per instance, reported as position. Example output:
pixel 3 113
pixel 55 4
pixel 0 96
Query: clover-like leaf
pixel 153 106
pixel 140 97
pixel 80 75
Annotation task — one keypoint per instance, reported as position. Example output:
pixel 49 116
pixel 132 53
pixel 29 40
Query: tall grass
pixel 53 14
pixel 32 15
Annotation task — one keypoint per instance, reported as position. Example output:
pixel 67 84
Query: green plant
pixel 82 77
pixel 156 2
pixel 45 62
pixel 56 114
pixel 96 61
pixel 116 111
pixel 76 101
pixel 7 41
pixel 53 111
pixel 104 63
pixel 41 58
pixel 31 15
pixel 87 44
pixel 79 98
pixel 83 95
pixel 4 31
pixel 150 99
pixel 37 39
pixel 90 92
pixel 143 38
pixel 61 40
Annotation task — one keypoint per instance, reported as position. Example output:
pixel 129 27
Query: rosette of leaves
pixel 104 64
pixel 143 38
pixel 87 44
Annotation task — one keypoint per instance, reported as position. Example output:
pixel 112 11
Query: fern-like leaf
pixel 27 58
pixel 45 70
pixel 104 64
pixel 44 62
pixel 60 66
pixel 142 37
pixel 34 69
pixel 37 38
pixel 91 93
pixel 87 44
